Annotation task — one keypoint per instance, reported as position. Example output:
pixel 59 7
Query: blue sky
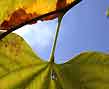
pixel 84 28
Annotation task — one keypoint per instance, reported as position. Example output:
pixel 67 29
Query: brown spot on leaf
pixel 17 17
pixel 20 16
pixel 61 4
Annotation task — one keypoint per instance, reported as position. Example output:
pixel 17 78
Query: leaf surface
pixel 14 13
pixel 107 12
pixel 88 70
pixel 20 68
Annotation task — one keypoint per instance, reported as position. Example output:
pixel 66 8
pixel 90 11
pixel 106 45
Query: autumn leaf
pixel 13 13
pixel 20 68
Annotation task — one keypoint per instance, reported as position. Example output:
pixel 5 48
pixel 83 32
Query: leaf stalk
pixel 55 39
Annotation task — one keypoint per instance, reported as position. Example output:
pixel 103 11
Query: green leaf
pixel 94 70
pixel 107 12
pixel 20 68
pixel 18 63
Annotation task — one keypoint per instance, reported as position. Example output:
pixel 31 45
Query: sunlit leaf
pixel 13 13
pixel 86 71
pixel 20 68
pixel 18 63
pixel 107 12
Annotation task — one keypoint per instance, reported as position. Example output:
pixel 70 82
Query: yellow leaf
pixel 20 68
pixel 14 13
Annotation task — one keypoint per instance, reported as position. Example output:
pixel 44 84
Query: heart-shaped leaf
pixel 14 13
pixel 20 68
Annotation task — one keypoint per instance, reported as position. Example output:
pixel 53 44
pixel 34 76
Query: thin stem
pixel 55 40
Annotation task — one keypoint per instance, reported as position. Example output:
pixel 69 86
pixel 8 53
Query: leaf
pixel 94 70
pixel 20 68
pixel 107 12
pixel 17 61
pixel 14 13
